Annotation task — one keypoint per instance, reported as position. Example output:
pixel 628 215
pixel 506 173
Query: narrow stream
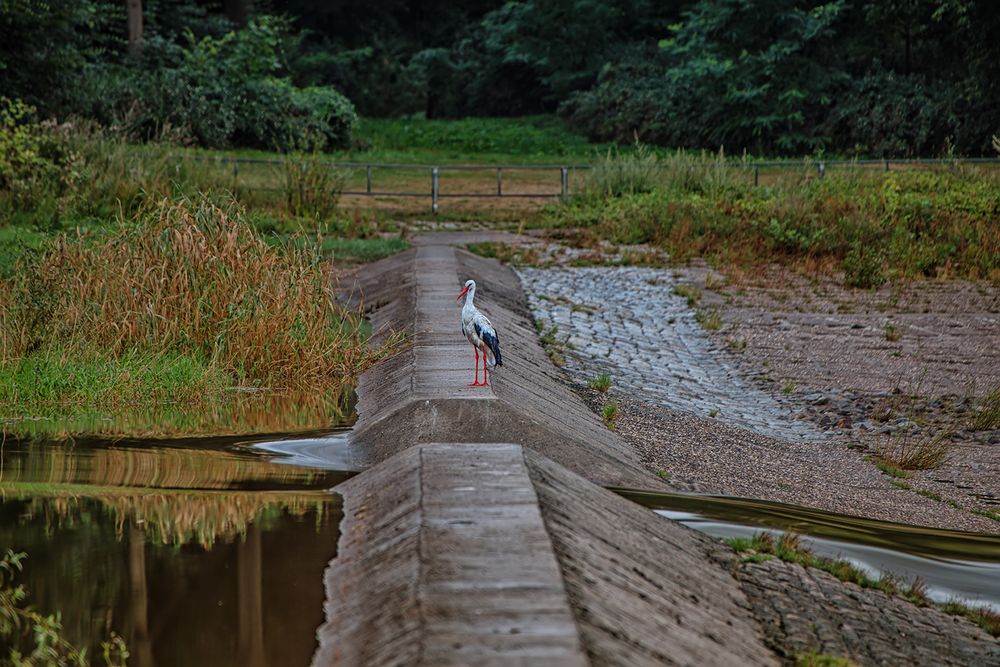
pixel 953 564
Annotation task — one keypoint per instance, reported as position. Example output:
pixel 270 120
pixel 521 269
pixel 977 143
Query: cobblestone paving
pixel 627 322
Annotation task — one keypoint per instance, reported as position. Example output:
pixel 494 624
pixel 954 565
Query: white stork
pixel 480 332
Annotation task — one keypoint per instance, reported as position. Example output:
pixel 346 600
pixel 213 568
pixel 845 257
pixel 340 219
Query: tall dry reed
pixel 193 277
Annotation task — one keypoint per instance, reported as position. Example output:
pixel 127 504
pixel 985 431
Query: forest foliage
pixel 883 78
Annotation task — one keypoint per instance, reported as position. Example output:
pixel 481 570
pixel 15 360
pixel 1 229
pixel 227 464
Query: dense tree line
pixel 883 77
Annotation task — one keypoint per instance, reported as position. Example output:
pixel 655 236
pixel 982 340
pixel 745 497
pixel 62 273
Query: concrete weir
pixel 481 534
pixel 420 395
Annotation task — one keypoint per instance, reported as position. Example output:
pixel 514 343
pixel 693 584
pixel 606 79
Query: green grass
pixel 989 514
pixel 891 469
pixel 526 140
pixel 869 226
pixel 601 382
pixel 788 548
pixel 690 293
pixel 816 659
pixel 609 413
pixel 988 415
pixel 984 617
pixel 710 320
pixel 55 377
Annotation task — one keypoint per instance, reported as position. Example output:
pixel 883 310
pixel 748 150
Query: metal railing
pixel 435 172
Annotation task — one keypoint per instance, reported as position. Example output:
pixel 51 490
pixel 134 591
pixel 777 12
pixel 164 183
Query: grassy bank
pixel 871 225
pixel 763 546
pixel 185 304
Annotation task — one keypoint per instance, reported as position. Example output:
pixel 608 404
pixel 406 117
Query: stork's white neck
pixel 470 295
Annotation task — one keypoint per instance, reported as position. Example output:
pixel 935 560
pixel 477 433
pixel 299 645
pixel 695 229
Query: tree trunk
pixel 134 26
pixel 237 11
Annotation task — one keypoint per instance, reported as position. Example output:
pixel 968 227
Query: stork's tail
pixel 493 343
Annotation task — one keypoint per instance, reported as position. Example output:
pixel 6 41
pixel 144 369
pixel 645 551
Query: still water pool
pixel 196 551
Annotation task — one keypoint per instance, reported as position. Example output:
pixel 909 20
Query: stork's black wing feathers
pixel 492 341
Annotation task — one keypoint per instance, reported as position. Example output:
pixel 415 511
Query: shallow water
pixel 953 564
pixel 196 551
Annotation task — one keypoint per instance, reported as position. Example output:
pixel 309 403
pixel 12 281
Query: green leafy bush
pixel 220 92
pixel 873 226
pixel 33 165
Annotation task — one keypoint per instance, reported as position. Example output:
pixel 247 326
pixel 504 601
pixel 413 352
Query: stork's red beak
pixel 462 294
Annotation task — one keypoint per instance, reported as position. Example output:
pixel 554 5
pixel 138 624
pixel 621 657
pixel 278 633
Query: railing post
pixel 822 170
pixel 499 182
pixel 756 176
pixel 236 169
pixel 564 178
pixel 887 165
pixel 434 189
pixel 369 184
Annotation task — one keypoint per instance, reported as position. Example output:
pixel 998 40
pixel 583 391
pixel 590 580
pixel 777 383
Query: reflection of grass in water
pixel 153 468
pixel 234 413
pixel 178 495
pixel 168 516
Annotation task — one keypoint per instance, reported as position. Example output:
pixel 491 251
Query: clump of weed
pixel 554 346
pixel 889 469
pixel 609 413
pixel 663 474
pixel 691 294
pixel 710 320
pixel 989 514
pixel 623 172
pixel 506 253
pixel 863 267
pixel 987 417
pixel 788 548
pixel 312 186
pixel 913 452
pixel 984 617
pixel 892 332
pixel 788 387
pixel 601 382
pixel 814 658
pixel 713 413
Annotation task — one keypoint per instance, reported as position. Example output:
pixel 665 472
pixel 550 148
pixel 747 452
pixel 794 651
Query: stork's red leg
pixel 485 383
pixel 476 383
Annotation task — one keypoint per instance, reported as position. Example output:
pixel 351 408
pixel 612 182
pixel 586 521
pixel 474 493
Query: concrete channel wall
pixel 480 533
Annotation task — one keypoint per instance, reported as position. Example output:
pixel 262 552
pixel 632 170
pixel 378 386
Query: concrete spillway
pixel 480 532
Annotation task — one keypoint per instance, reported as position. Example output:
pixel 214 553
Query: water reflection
pixel 953 564
pixel 196 552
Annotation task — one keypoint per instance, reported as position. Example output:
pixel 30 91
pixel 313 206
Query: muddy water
pixel 953 564
pixel 196 551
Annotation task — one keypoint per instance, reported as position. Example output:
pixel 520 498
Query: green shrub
pixel 863 267
pixel 33 165
pixel 220 92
